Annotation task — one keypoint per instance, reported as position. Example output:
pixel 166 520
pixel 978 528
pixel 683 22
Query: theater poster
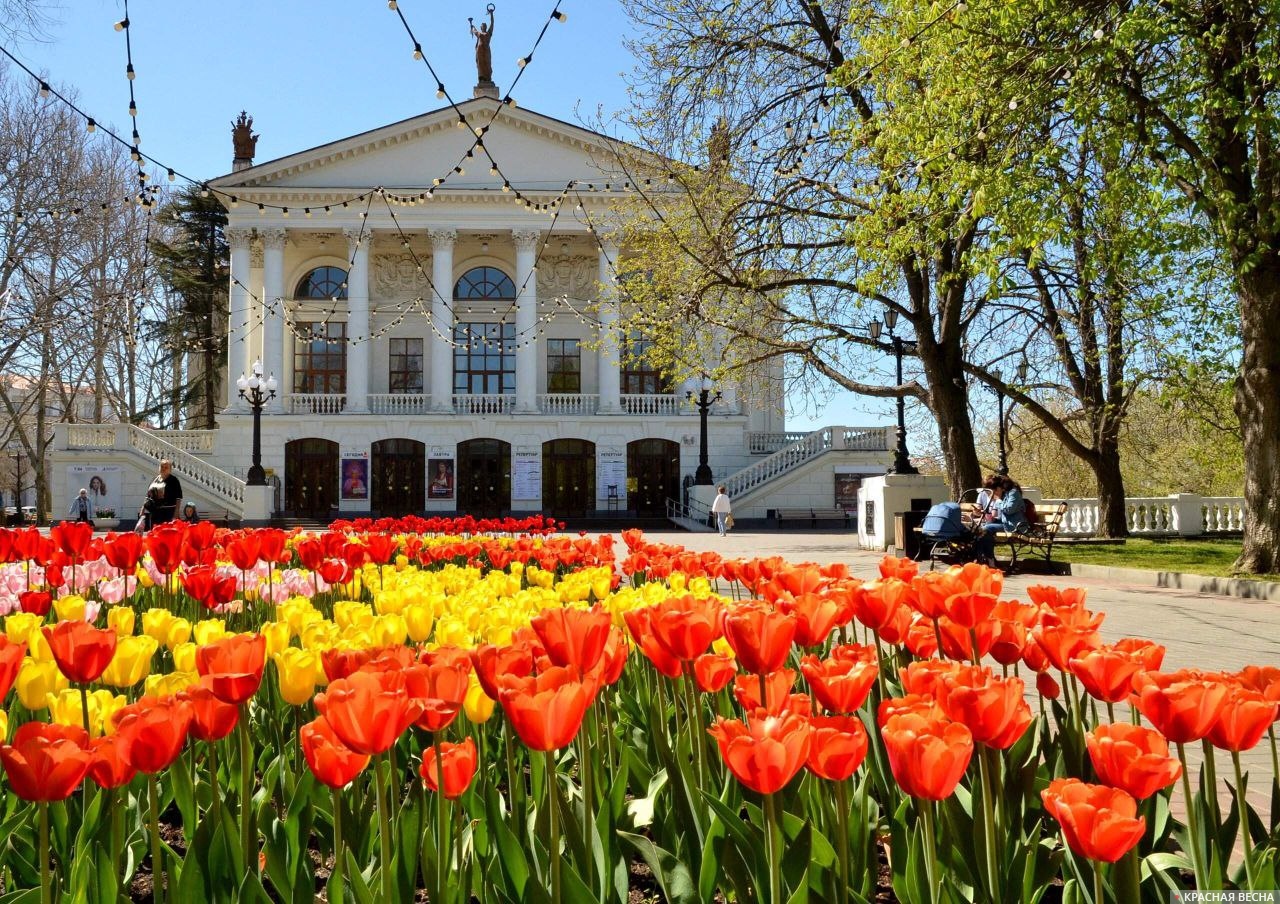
pixel 105 484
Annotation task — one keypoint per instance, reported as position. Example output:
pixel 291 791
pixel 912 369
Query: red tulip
pixel 1106 673
pixel 839 747
pixel 204 584
pixel 1243 720
pixel 11 656
pixel 233 666
pixel 342 662
pixel 369 711
pixel 108 766
pixel 491 663
pixel 72 538
pixel 760 637
pixel 545 711
pixel 457 763
pixel 1097 822
pixel 271 544
pixel 152 732
pixel 766 751
pixel 46 762
pixel 165 545
pixel 713 672
pixel 573 637
pixel 1183 705
pixel 842 682
pixel 82 651
pixel 1133 758
pixel 686 626
pixel 777 687
pixel 993 709
pixel 245 551
pixel 211 718
pixel 37 602
pixel 1047 687
pixel 928 757
pixel 332 762
pixel 124 551
pixel 334 571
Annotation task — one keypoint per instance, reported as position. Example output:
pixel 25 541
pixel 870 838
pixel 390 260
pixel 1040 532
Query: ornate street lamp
pixel 1003 469
pixel 257 392
pixel 703 400
pixel 901 459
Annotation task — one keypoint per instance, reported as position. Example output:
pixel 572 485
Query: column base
pixel 610 409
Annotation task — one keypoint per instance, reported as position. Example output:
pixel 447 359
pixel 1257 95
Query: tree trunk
pixel 949 404
pixel 1113 515
pixel 1257 404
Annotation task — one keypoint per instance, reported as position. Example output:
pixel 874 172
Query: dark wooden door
pixel 484 477
pixel 653 475
pixel 568 477
pixel 311 477
pixel 398 477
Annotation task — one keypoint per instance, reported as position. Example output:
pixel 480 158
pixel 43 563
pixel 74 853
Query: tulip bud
pixel 1047 686
pixel 132 660
pixel 121 619
pixel 69 608
pixel 298 672
pixel 20 626
pixel 184 657
pixel 419 619
pixel 37 680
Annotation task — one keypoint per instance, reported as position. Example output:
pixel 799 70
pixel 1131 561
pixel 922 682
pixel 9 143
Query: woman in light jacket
pixel 721 508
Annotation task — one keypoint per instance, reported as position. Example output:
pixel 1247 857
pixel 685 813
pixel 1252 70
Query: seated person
pixel 984 508
pixel 1010 517
pixel 189 513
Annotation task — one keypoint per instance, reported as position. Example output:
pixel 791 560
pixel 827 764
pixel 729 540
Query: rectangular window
pixel 320 358
pixel 564 365
pixel 484 358
pixel 639 375
pixel 405 376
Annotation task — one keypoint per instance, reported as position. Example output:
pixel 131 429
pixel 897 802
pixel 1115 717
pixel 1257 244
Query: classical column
pixel 609 357
pixel 442 241
pixel 526 321
pixel 273 298
pixel 238 315
pixel 358 321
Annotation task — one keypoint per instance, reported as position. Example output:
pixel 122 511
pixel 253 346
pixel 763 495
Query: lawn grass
pixel 1208 557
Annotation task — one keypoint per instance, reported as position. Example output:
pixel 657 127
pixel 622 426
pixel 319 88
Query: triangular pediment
pixel 531 150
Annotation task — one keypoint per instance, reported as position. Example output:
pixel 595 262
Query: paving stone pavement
pixel 1214 633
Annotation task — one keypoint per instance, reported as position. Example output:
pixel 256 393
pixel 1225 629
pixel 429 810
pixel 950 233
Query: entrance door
pixel 398 477
pixel 653 475
pixel 311 477
pixel 484 477
pixel 568 477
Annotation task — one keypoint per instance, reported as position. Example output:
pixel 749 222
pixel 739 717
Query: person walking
pixel 721 508
pixel 82 507
pixel 165 493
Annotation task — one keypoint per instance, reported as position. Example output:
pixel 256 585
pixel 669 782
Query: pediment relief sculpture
pixel 568 275
pixel 396 275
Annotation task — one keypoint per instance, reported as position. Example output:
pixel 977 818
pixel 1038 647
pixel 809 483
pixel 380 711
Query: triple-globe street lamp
pixel 703 400
pixel 901 459
pixel 257 392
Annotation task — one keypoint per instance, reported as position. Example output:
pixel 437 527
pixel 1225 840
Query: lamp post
pixel 257 392
pixel 1003 469
pixel 901 459
pixel 703 400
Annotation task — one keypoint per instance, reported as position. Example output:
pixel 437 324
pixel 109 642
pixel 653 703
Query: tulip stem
pixel 442 829
pixel 773 841
pixel 384 831
pixel 842 839
pixel 1099 891
pixel 988 822
pixel 1193 837
pixel 1275 757
pixel 46 877
pixel 1246 837
pixel 335 881
pixel 84 706
pixel 555 824
pixel 246 792
pixel 930 850
pixel 157 857
pixel 1211 774
pixel 117 833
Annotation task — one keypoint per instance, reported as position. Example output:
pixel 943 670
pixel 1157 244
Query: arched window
pixel 323 282
pixel 485 283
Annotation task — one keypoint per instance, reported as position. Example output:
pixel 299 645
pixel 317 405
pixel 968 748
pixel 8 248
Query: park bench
pixel 1037 541
pixel 813 516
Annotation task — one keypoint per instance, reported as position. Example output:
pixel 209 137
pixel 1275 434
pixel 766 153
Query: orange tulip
pixel 1097 822
pixel 817 615
pixel 457 763
pixel 1182 705
pixel 902 569
pixel 713 672
pixel 1061 643
pixel 839 747
pixel 1008 640
pixel 1043 595
pixel 545 711
pixel 994 709
pixel 958 641
pixel 369 711
pixel 777 686
pixel 152 732
pixel 928 757
pixel 969 608
pixel 1047 686
pixel 491 662
pixel 764 752
pixel 331 761
pixel 876 603
pixel 573 637
pixel 929 592
pixel 914 704
pixel 640 624
pixel 1133 758
pixel 233 666
pixel 1243 720
pixel 11 656
pixel 760 637
pixel 440 688
pixel 842 682
pixel 82 651
pixel 1149 653
pixel 1265 679
pixel 1106 673
pixel 108 766
pixel 211 718
pixel 46 762
pixel 686 626
pixel 923 677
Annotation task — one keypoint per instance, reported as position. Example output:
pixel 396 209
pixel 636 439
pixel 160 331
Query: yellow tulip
pixel 67 708
pixel 418 618
pixel 170 684
pixel 4 726
pixel 210 629
pixel 121 619
pixel 38 647
pixel 388 630
pixel 184 657
pixel 277 635
pixel 476 704
pixel 160 623
pixel 319 635
pixel 295 612
pixel 299 671
pixel 36 680
pixel 350 614
pixel 131 662
pixel 19 626
pixel 144 578
pixel 69 607
pixel 401 561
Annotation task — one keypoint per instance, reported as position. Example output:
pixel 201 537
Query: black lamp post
pixel 703 400
pixel 1003 469
pixel 901 459
pixel 257 392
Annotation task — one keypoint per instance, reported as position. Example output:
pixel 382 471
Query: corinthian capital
pixel 526 239
pixel 238 238
pixel 272 239
pixel 443 238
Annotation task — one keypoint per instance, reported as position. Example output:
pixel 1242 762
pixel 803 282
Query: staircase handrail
pixel 214 481
pixel 785 459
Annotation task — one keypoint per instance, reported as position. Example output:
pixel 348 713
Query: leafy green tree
pixel 192 259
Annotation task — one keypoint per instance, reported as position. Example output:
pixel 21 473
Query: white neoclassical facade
pixel 444 333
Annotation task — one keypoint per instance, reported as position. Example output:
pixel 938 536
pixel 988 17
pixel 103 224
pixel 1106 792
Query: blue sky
pixel 313 71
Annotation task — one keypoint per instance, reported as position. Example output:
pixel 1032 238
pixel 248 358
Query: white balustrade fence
pixel 316 403
pixel 484 404
pixel 194 441
pixel 399 403
pixel 1179 515
pixel 651 404
pixel 785 459
pixel 568 403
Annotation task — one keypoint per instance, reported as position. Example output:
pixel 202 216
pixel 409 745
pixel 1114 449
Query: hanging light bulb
pixel 285 213
pixel 91 126
pixel 133 109
pixel 493 171
pixel 44 89
pixel 506 186
pixel 417 51
pixel 525 61
pixel 122 25
pixel 391 5
pixel 440 90
pixel 262 209
pixel 204 190
pixel 559 16
pixel 128 71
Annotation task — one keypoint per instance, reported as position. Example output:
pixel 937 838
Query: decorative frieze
pixel 397 275
pixel 572 276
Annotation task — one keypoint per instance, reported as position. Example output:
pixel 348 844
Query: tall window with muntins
pixel 484 284
pixel 564 365
pixel 405 376
pixel 640 376
pixel 320 358
pixel 323 282
pixel 484 358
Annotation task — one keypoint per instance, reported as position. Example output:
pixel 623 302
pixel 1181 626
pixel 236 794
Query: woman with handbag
pixel 722 508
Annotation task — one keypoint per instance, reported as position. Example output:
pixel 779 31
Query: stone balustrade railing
pixel 475 403
pixel 809 446
pixel 399 403
pixel 197 442
pixel 1179 515
pixel 650 404
pixel 315 403
pixel 568 403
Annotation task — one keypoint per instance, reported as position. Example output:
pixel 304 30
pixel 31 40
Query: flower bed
pixel 490 710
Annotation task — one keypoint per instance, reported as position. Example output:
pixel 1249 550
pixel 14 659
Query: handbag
pixel 728 522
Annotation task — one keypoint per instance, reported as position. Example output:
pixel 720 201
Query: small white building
pixel 436 302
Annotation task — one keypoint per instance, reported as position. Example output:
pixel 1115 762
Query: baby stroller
pixel 945 536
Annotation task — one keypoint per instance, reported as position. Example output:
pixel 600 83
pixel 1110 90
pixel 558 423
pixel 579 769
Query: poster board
pixel 353 477
pixel 611 471
pixel 526 473
pixel 441 475
pixel 846 490
pixel 105 484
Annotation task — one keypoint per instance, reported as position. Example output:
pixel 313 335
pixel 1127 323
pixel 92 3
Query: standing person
pixel 165 494
pixel 721 508
pixel 82 507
